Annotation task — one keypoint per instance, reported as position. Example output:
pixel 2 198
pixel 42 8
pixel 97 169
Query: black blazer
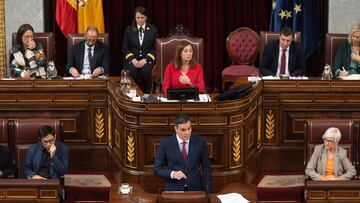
pixel 269 62
pixel 100 58
pixel 169 159
pixel 131 44
pixel 6 165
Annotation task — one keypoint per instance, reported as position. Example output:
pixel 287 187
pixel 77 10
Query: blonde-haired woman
pixel 347 59
pixel 329 161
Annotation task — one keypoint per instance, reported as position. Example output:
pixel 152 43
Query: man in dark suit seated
pixel 6 164
pixel 89 57
pixel 48 158
pixel 283 57
pixel 182 159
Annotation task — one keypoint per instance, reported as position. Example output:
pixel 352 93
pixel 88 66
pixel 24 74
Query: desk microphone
pixel 157 196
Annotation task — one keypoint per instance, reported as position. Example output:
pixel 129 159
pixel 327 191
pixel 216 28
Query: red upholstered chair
pixel 332 42
pixel 26 133
pixel 47 41
pixel 266 37
pixel 165 51
pixel 243 47
pixel 314 129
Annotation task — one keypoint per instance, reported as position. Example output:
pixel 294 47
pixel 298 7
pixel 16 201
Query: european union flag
pixel 300 15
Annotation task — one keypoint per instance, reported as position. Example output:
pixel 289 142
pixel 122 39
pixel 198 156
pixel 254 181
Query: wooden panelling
pixel 212 120
pixel 67 97
pixel 51 83
pixel 33 97
pixel 153 121
pixel 329 98
pixel 69 125
pixel 98 97
pixel 20 193
pixel 130 119
pixel 8 97
pixel 296 98
pixel 236 119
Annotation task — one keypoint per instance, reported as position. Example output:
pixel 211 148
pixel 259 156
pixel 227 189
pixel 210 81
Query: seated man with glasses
pixel 48 158
pixel 329 161
pixel 89 58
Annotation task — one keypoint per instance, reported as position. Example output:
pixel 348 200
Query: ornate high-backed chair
pixel 243 48
pixel 314 129
pixel 47 41
pixel 266 37
pixel 165 50
pixel 26 133
pixel 332 41
pixel 75 38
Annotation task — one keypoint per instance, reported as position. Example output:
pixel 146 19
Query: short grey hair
pixel 332 133
pixel 354 28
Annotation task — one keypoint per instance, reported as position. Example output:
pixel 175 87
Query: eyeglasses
pixel 329 141
pixel 47 142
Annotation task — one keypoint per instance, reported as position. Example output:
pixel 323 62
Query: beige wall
pixel 343 14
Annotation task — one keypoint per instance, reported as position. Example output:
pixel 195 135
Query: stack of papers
pixel 232 197
pixel 350 77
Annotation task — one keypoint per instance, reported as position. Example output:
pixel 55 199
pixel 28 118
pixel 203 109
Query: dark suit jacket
pixel 269 62
pixel 169 159
pixel 132 48
pixel 6 165
pixel 59 163
pixel 100 58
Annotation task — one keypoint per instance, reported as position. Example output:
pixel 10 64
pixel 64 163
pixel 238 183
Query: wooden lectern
pixel 183 197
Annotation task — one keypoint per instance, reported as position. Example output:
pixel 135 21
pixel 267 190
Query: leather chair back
pixel 243 46
pixel 47 41
pixel 4 134
pixel 75 38
pixel 332 41
pixel 314 129
pixel 26 133
pixel 266 37
pixel 165 52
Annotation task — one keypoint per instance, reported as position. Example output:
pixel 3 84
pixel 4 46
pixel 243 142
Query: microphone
pixel 157 196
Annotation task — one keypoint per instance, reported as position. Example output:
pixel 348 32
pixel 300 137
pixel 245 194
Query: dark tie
pixel 283 62
pixel 90 56
pixel 141 31
pixel 183 152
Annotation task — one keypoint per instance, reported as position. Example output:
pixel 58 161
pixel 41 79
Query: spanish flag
pixel 90 12
pixel 66 15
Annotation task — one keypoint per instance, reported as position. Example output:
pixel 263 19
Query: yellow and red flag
pixel 74 16
pixel 66 15
pixel 90 12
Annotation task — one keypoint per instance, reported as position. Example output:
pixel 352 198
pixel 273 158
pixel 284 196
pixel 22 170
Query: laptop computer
pixel 182 93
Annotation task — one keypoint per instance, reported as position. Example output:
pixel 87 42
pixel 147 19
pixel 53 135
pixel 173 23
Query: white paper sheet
pixel 232 197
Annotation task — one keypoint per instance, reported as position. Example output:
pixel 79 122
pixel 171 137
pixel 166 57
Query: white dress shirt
pixel 86 65
pixel 141 35
pixel 286 61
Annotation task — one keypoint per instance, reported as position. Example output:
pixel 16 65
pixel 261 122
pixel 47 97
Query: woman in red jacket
pixel 184 71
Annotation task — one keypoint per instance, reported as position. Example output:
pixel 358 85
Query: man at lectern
pixel 182 159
